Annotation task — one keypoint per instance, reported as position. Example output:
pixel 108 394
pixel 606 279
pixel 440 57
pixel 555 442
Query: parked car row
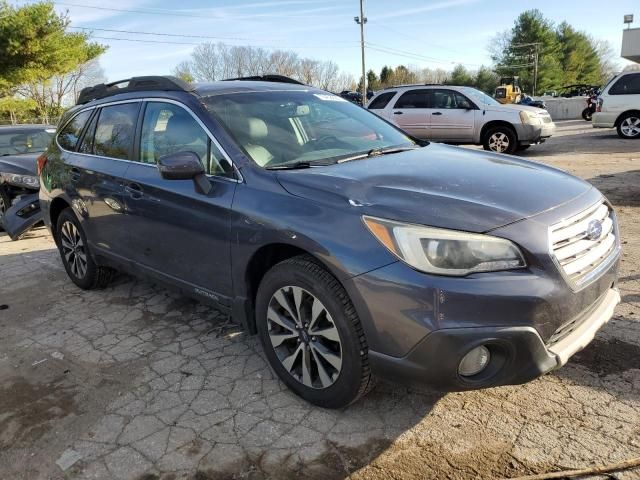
pixel 352 248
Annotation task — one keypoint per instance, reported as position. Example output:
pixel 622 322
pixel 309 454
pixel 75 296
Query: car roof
pixel 239 86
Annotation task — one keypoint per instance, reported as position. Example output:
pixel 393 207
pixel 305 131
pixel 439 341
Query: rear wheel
pixel 311 334
pixel 586 114
pixel 629 126
pixel 500 140
pixel 76 258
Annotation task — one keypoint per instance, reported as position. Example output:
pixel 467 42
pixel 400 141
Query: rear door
pixel 96 172
pixel 452 116
pixel 411 112
pixel 175 231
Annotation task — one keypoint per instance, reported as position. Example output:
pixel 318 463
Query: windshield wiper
pixel 374 152
pixel 297 165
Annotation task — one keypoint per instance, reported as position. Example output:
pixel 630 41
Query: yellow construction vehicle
pixel 509 90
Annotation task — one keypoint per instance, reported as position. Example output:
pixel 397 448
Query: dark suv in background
pixel 351 248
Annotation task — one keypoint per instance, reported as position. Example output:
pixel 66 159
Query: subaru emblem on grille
pixel 594 229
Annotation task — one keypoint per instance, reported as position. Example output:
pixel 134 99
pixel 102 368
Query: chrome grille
pixel 579 255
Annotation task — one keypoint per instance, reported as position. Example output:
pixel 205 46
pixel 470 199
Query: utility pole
pixel 535 69
pixel 361 20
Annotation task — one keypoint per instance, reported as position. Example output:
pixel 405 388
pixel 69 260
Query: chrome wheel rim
pixel 499 142
pixel 304 337
pixel 73 249
pixel 3 207
pixel 630 127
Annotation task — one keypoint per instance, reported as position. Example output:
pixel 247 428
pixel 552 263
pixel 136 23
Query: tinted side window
pixel 626 85
pixel 414 99
pixel 115 130
pixel 68 137
pixel 381 101
pixel 169 128
pixel 446 99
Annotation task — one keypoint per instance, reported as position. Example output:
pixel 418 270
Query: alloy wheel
pixel 499 142
pixel 304 337
pixel 630 127
pixel 73 249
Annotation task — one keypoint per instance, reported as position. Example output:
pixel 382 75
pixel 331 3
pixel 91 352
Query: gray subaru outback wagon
pixel 350 248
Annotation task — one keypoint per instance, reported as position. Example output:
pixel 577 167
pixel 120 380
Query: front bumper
pixel 518 354
pixel 532 134
pixel 22 216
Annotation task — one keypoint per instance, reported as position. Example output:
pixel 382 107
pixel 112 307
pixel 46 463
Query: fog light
pixel 474 362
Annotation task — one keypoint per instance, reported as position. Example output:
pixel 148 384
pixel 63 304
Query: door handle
pixel 134 190
pixel 436 113
pixel 397 113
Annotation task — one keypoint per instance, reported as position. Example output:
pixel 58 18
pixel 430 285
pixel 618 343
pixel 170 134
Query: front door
pixel 175 231
pixel 452 116
pixel 411 113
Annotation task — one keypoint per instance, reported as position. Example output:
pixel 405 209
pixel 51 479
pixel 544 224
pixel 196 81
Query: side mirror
pixel 180 166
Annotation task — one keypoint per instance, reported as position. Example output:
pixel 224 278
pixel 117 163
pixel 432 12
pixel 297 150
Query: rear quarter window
pixel 70 134
pixel 626 85
pixel 381 101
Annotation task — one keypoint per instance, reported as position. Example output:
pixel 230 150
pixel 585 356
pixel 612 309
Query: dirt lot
pixel 135 382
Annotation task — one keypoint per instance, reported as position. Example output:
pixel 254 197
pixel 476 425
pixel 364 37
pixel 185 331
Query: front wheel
pixel 76 258
pixel 586 114
pixel 311 333
pixel 500 140
pixel 629 126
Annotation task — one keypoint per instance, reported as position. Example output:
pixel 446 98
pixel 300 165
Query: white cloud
pixel 427 8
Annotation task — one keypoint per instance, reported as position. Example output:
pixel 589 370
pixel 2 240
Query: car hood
pixel 21 164
pixel 439 185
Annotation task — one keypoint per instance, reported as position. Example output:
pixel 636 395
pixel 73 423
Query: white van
pixel 619 105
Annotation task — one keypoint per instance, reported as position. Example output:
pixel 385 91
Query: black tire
pixel 354 379
pixel 629 126
pixel 90 276
pixel 586 114
pixel 499 136
pixel 5 203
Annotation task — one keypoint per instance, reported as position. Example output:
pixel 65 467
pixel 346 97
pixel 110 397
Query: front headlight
pixel 445 252
pixel 530 118
pixel 27 181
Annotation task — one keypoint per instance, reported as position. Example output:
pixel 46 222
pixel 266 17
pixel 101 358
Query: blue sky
pixel 442 33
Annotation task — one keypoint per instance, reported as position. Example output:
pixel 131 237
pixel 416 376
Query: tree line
pixel 216 61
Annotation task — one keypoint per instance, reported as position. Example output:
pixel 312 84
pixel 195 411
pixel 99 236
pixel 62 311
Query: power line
pixel 179 13
pixel 413 55
pixel 204 37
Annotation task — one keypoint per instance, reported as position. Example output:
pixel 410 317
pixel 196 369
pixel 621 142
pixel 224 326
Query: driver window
pixel 168 128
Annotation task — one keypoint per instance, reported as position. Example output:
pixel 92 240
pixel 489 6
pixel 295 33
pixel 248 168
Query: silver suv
pixel 462 115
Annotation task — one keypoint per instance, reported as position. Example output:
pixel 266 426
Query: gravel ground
pixel 135 382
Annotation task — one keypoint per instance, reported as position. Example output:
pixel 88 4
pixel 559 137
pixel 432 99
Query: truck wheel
pixel 500 140
pixel 311 333
pixel 76 258
pixel 586 114
pixel 629 126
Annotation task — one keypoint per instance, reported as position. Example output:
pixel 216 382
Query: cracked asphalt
pixel 136 382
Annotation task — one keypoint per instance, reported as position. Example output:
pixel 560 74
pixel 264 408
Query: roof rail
pixel 266 78
pixel 133 84
pixel 415 85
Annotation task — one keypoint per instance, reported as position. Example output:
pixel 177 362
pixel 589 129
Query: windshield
pixel 288 127
pixel 19 140
pixel 480 97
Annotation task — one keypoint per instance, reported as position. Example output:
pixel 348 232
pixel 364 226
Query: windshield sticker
pixel 329 98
